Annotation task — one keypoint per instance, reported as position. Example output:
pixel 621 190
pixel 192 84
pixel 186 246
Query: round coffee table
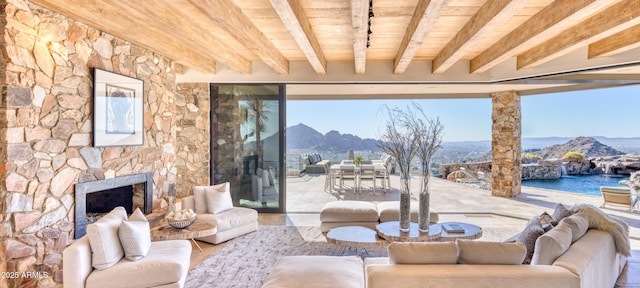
pixel 195 230
pixel 360 237
pixel 470 231
pixel 390 231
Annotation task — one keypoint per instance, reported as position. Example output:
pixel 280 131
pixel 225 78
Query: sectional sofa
pixel 586 249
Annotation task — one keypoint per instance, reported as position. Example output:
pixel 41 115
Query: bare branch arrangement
pixel 410 133
pixel 399 139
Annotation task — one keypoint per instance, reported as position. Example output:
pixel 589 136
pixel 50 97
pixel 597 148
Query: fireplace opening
pixel 97 198
pixel 100 203
pixel 105 201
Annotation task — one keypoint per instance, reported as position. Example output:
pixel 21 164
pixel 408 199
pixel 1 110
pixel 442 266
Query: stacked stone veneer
pixel 505 144
pixel 192 159
pixel 46 126
pixel 227 150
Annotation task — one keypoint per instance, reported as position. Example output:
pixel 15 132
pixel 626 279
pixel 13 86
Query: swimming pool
pixel 584 184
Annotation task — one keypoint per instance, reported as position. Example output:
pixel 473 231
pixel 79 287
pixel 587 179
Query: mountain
pixel 588 146
pixel 304 137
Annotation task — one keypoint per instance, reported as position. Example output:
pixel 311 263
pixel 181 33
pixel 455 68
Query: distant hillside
pixel 304 137
pixel 588 146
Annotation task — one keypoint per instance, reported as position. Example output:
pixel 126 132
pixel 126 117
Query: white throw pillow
pixel 265 178
pixel 199 199
pixel 271 176
pixel 423 253
pixel 552 244
pixel 103 237
pixel 218 198
pixel 494 253
pixel 579 224
pixel 135 236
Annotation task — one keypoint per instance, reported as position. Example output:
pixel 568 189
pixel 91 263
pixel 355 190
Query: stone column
pixel 506 144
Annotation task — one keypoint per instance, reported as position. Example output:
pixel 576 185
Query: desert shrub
pixel 531 156
pixel 572 155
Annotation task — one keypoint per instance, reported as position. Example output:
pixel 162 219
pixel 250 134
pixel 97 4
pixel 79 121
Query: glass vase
pixel 423 201
pixel 405 202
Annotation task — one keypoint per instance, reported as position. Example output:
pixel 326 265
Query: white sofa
pixel 573 254
pixel 166 265
pixel 591 261
pixel 231 223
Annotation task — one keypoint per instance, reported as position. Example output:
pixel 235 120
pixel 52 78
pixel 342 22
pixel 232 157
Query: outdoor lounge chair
pixel 619 196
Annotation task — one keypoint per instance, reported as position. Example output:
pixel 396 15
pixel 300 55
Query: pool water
pixel 587 184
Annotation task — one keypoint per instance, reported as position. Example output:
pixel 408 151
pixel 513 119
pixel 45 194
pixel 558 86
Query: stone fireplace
pixel 101 196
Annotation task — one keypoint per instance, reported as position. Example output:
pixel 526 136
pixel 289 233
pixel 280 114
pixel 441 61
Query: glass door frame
pixel 282 121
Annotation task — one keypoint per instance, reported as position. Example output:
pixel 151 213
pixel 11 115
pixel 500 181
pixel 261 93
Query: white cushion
pixel 272 175
pixel 106 250
pixel 423 253
pixel 349 211
pixel 218 198
pixel 230 219
pixel 265 178
pixel 494 253
pixel 316 271
pixel 166 265
pixel 135 236
pixel 579 224
pixel 552 244
pixel 200 201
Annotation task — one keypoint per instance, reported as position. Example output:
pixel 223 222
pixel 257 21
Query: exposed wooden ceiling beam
pixel 614 19
pixel 359 22
pixel 294 18
pixel 491 15
pixel 548 22
pixel 618 43
pixel 230 18
pixel 141 30
pixel 426 14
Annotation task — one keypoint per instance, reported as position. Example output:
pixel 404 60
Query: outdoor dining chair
pixel 348 172
pixel 367 173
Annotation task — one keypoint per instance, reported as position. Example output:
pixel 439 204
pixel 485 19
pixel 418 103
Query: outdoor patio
pixel 499 217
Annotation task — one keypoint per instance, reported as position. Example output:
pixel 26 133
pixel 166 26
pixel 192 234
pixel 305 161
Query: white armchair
pixel 213 205
pixel 102 262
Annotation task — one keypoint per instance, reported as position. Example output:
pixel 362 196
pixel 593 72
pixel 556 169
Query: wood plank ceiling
pixel 483 33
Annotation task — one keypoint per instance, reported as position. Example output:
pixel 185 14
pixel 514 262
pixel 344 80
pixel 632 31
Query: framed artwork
pixel 118 109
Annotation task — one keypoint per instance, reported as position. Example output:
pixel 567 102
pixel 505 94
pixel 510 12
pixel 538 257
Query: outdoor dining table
pixel 335 169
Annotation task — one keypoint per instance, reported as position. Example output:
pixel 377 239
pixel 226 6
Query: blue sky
pixel 600 112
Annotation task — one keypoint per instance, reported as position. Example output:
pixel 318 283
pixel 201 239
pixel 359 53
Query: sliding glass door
pixel 247 143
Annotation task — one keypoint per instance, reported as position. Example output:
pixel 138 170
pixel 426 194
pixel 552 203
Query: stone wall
pixel 505 144
pixel 544 169
pixel 472 167
pixel 46 124
pixel 228 147
pixel 192 159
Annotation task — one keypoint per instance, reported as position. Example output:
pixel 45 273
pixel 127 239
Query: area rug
pixel 247 260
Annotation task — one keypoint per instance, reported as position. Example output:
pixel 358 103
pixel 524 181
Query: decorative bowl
pixel 180 224
pixel 181 218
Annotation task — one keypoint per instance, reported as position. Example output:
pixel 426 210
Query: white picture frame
pixel 118 109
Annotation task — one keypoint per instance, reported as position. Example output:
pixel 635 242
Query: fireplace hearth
pixel 102 196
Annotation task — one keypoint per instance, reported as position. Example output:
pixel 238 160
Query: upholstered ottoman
pixel 316 271
pixel 390 211
pixel 348 213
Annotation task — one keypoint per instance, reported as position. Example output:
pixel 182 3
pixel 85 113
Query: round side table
pixel 195 230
